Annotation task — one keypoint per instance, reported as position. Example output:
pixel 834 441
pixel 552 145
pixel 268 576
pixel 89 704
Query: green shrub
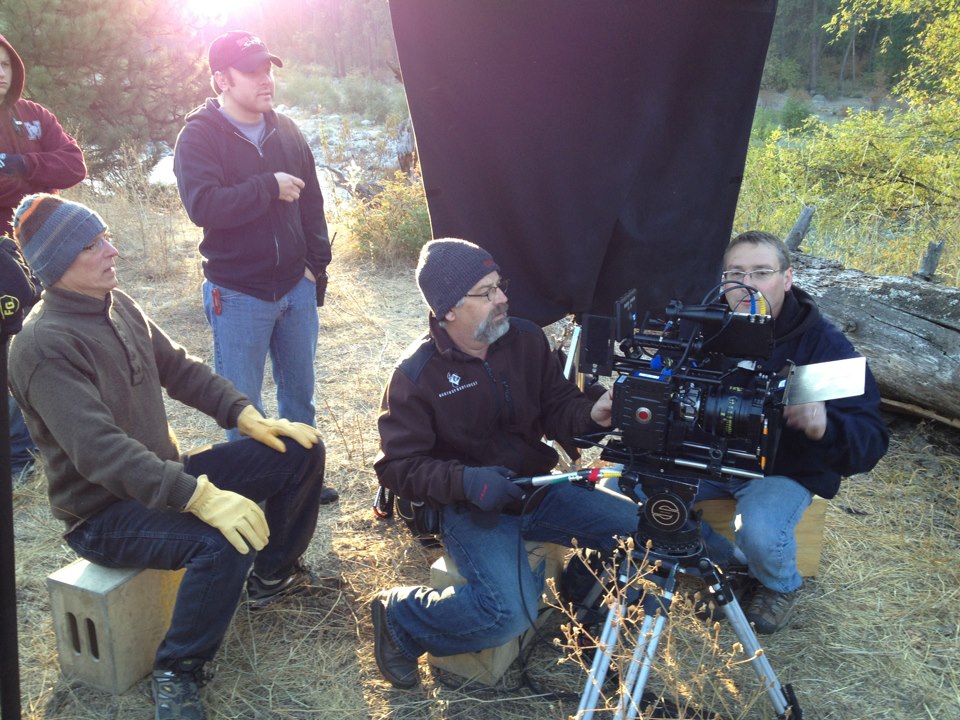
pixel 394 224
pixel 794 113
pixel 883 184
pixel 781 74
pixel 765 121
pixel 306 86
pixel 371 98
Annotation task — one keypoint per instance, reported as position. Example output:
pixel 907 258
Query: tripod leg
pixel 639 671
pixel 601 661
pixel 781 698
pixel 655 609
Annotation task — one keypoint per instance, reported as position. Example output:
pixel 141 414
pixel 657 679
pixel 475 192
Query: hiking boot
pixel 177 694
pixel 261 593
pixel 394 664
pixel 769 610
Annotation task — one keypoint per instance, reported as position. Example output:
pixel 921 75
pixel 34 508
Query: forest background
pixel 882 171
pixel 858 116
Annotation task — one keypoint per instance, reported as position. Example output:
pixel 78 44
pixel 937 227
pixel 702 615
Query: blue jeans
pixel 768 511
pixel 130 535
pixel 22 447
pixel 502 592
pixel 247 329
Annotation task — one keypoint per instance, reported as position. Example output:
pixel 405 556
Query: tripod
pixel 677 547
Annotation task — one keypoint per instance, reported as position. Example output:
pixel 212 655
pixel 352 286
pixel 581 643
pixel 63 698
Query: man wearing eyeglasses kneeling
pixel 820 442
pixel 464 412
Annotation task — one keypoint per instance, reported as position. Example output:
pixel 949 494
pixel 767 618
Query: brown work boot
pixel 769 610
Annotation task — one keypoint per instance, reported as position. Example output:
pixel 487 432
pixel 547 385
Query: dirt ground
pixel 877 634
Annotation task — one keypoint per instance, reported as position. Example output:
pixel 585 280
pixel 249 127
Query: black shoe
pixel 177 694
pixel 394 665
pixel 261 593
pixel 328 495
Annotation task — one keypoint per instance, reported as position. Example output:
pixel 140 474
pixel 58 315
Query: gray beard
pixel 489 333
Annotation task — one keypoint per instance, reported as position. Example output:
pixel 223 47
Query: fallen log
pixel 907 328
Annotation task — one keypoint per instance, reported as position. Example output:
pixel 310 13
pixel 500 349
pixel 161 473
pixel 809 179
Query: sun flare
pixel 217 11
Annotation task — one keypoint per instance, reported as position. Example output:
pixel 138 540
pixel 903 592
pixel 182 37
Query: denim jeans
pixel 129 535
pixel 768 511
pixel 247 329
pixel 22 447
pixel 501 594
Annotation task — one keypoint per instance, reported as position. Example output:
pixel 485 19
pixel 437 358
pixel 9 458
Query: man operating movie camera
pixel 702 414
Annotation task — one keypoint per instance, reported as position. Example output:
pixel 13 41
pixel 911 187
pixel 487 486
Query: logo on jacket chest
pixel 455 385
pixel 33 129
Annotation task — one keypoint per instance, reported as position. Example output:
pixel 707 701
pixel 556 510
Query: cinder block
pixel 109 622
pixel 488 666
pixel 809 533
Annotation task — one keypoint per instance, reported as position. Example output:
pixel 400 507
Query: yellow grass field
pixel 877 634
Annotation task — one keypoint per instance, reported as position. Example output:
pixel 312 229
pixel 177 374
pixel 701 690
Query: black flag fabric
pixel 591 147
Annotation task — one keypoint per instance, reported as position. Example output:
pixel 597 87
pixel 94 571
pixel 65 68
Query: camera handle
pixel 581 478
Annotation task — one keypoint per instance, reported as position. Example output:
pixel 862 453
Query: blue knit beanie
pixel 448 268
pixel 52 231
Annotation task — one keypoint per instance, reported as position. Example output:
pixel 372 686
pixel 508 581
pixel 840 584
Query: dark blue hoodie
pixel 856 436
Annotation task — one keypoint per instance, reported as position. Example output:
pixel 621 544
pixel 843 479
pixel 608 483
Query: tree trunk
pixel 814 74
pixel 908 329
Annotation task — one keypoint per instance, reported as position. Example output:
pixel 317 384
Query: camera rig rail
pixel 688 399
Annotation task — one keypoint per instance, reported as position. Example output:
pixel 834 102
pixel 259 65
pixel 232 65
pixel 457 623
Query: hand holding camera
pixel 490 488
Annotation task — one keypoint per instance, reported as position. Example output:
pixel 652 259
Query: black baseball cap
pixel 241 50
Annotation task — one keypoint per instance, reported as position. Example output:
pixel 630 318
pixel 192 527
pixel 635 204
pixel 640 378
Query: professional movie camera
pixel 688 403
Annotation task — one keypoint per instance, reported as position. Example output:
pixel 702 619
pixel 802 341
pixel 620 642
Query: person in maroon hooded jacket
pixel 36 155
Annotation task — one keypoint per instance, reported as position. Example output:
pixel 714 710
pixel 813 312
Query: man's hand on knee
pixel 268 431
pixel 239 518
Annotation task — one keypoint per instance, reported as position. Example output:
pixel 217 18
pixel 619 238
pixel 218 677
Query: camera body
pixel 688 403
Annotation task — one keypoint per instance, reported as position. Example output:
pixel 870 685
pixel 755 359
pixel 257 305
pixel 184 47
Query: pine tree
pixel 116 73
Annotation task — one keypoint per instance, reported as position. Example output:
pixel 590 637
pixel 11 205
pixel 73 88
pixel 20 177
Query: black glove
pixel 17 290
pixel 12 164
pixel 490 488
pixel 321 287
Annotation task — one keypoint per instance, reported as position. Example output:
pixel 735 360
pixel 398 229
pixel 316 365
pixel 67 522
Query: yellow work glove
pixel 239 518
pixel 254 425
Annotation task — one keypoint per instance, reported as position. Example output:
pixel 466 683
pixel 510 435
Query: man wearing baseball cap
pixel 89 369
pixel 248 178
pixel 464 412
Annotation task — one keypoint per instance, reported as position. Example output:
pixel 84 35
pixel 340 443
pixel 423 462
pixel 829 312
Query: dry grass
pixel 877 634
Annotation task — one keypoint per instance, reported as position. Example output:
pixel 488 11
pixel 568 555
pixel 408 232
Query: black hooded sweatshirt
pixel 253 242
pixel 856 436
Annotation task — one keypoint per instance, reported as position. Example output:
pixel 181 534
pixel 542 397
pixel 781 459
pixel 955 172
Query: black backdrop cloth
pixel 591 147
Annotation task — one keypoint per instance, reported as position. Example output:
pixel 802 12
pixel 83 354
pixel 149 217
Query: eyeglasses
pixel 738 276
pixel 98 242
pixel 491 292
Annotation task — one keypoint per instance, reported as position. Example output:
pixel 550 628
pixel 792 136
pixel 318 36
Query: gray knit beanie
pixel 448 268
pixel 52 231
